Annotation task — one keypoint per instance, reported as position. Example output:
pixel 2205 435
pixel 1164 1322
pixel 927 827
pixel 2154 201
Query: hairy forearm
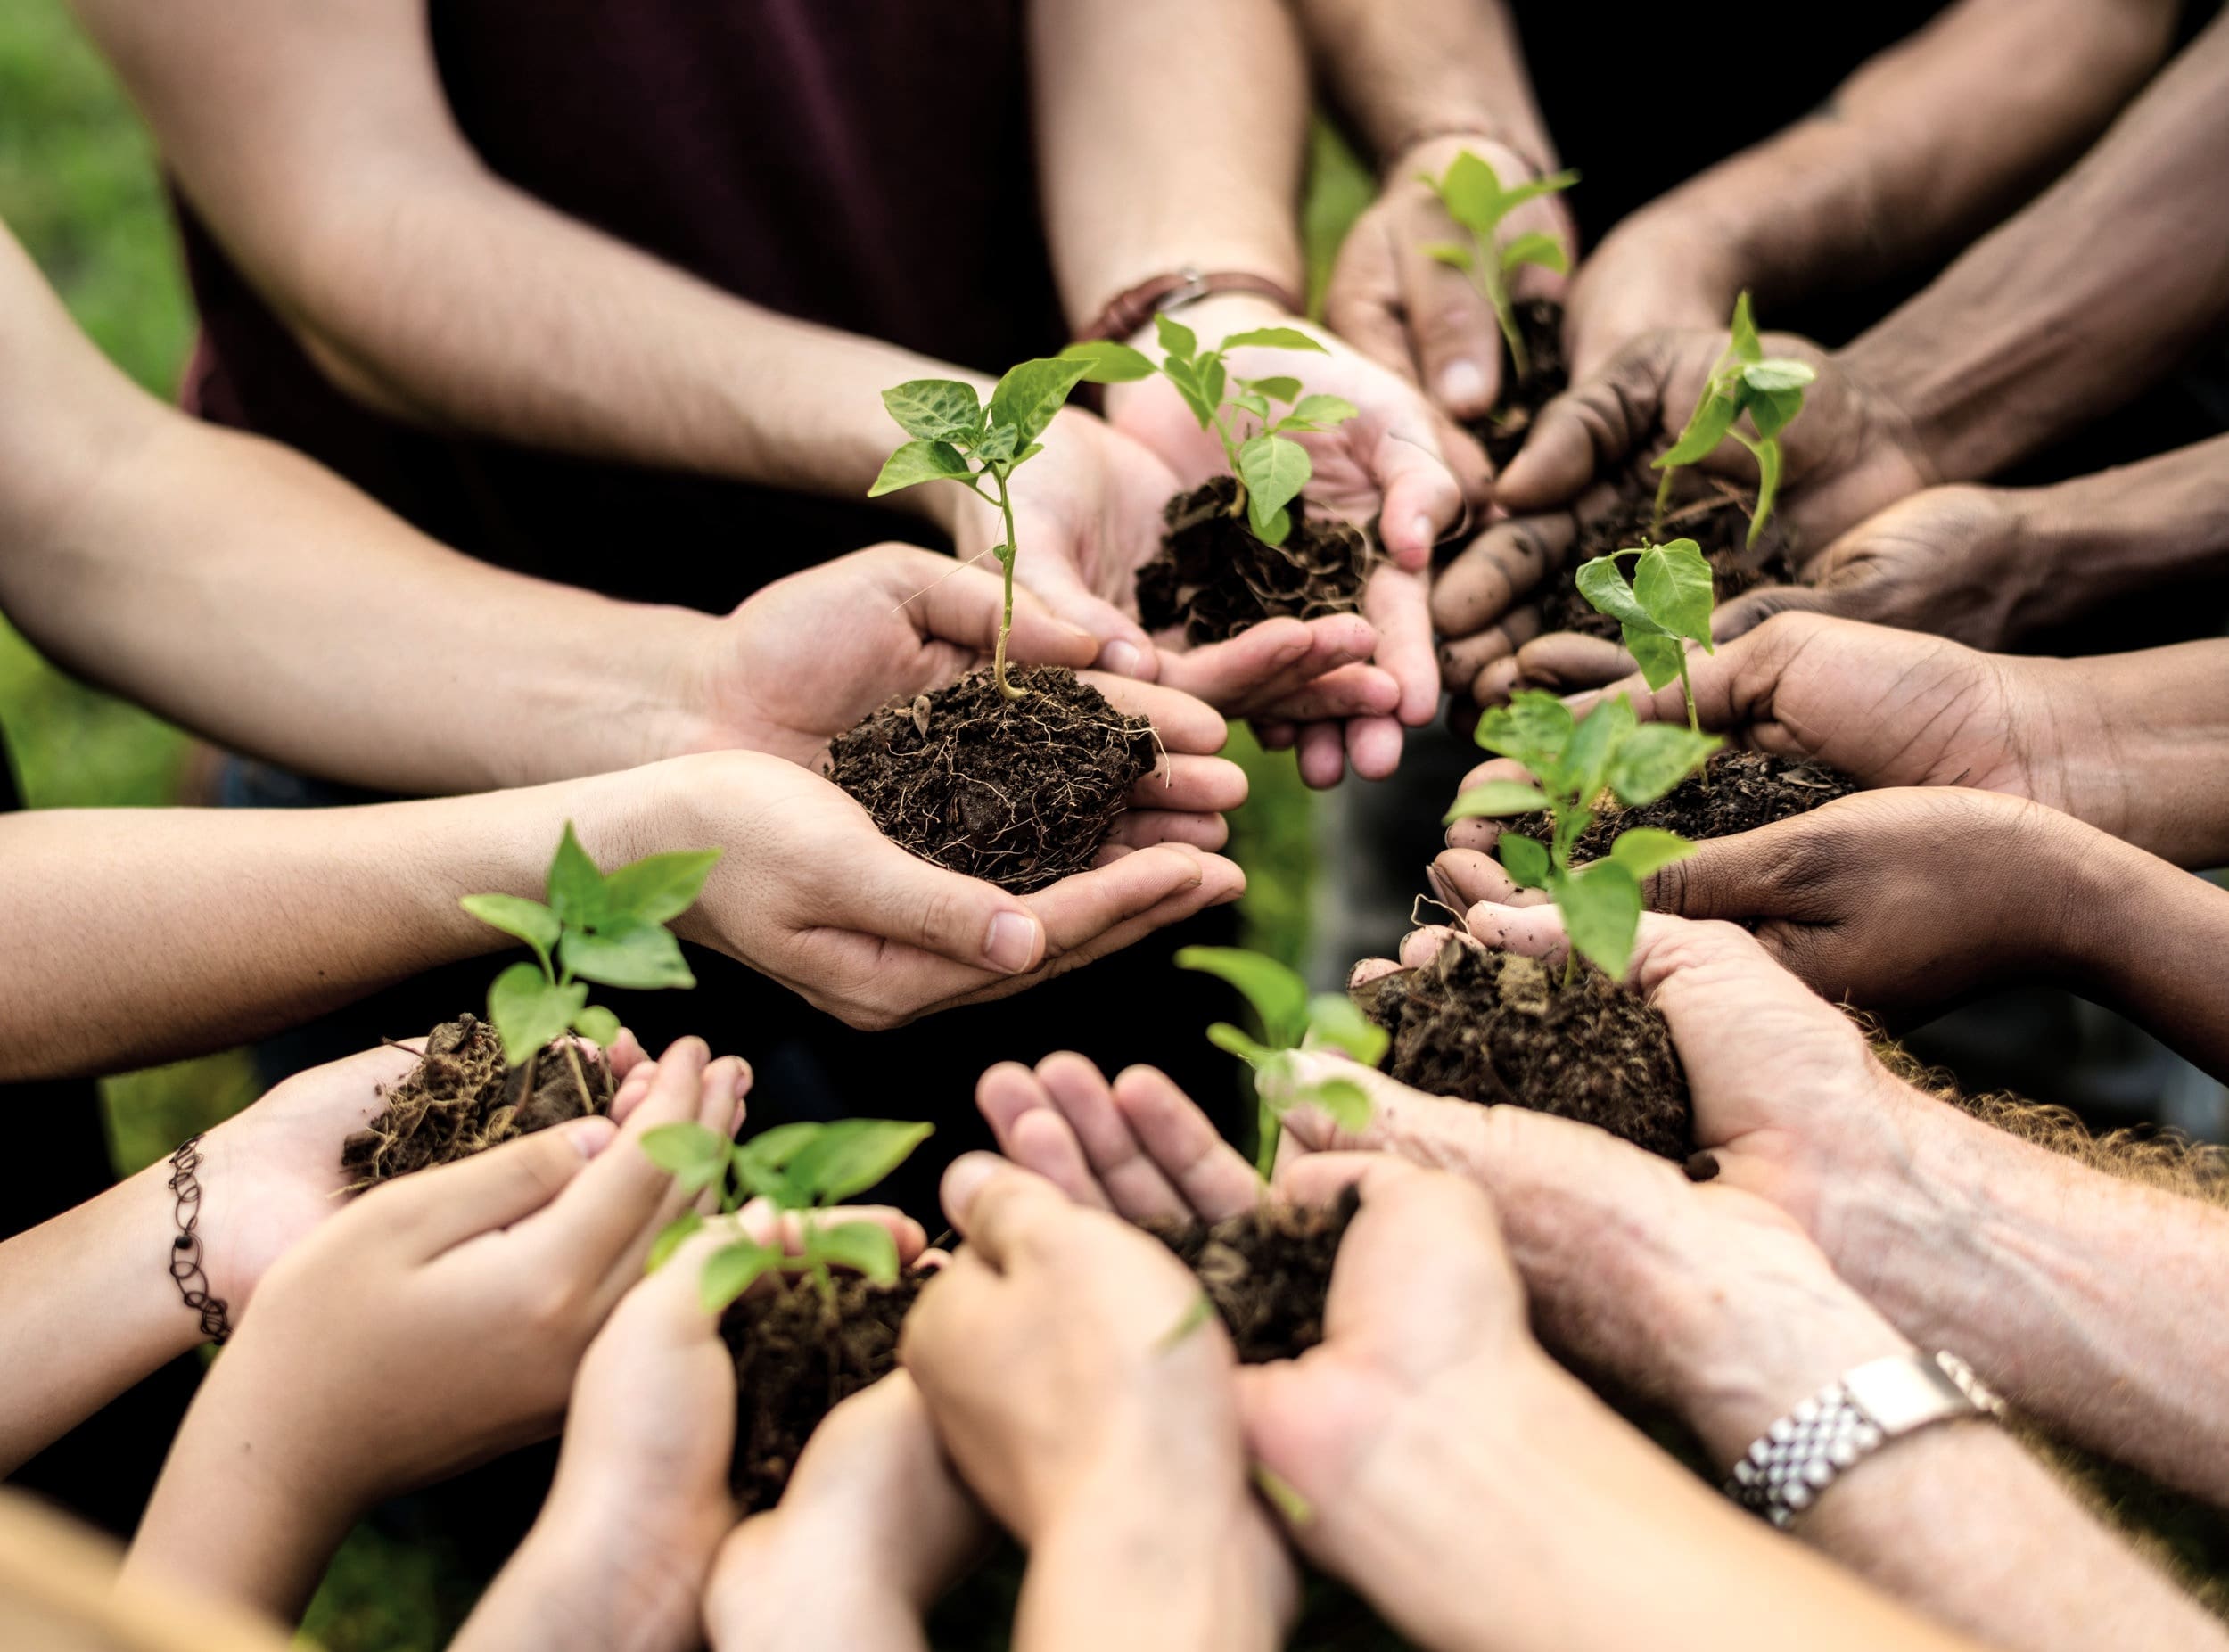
pixel 1404 71
pixel 2103 284
pixel 1138 183
pixel 2085 1299
pixel 88 1309
pixel 1925 142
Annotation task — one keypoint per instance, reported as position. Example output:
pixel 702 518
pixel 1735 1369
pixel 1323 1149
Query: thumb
pixel 445 1206
pixel 1727 877
pixel 1422 500
pixel 898 897
pixel 964 605
pixel 1585 431
pixel 1123 646
pixel 1753 608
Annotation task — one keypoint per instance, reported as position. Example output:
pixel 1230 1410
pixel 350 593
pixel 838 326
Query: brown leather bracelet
pixel 1134 309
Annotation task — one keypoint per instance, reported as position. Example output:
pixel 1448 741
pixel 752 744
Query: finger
pixel 1211 1178
pixel 625 1055
pixel 1206 786
pixel 1498 568
pixel 1585 431
pixel 1184 723
pixel 1143 828
pixel 764 1223
pixel 1426 1129
pixel 1031 1131
pixel 1493 686
pixel 1466 877
pixel 1275 736
pixel 1322 755
pixel 439 1209
pixel 1397 605
pixel 1351 691
pixel 608 1211
pixel 1371 969
pixel 1462 660
pixel 1420 947
pixel 898 897
pixel 1754 607
pixel 632 1089
pixel 1422 499
pixel 1451 328
pixel 1373 746
pixel 1362 303
pixel 1744 877
pixel 1003 1212
pixel 963 604
pixel 1265 663
pixel 1125 648
pixel 1134 1184
pixel 1565 661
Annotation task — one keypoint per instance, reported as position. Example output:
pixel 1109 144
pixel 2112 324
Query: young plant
pixel 958 438
pixel 1575 763
pixel 803 1168
pixel 1769 389
pixel 1291 1020
pixel 1473 198
pixel 1666 606
pixel 609 929
pixel 1269 468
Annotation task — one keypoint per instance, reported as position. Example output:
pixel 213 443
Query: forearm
pixel 2138 745
pixel 2077 303
pixel 2084 1299
pixel 140 936
pixel 563 1590
pixel 2153 948
pixel 1204 174
pixel 90 1309
pixel 1928 142
pixel 1404 71
pixel 2124 530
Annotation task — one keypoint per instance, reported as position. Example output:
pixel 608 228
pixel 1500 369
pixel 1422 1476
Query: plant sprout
pixel 606 929
pixel 1271 471
pixel 797 1167
pixel 1473 195
pixel 1291 1021
pixel 1573 763
pixel 1769 389
pixel 957 438
pixel 1667 605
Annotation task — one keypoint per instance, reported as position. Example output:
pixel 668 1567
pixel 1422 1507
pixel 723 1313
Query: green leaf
pixel 1212 378
pixel 1107 362
pixel 1673 585
pixel 626 953
pixel 919 462
pixel 529 1009
pixel 865 1247
pixel 599 1025
pixel 1323 409
pixel 1471 192
pixel 1768 484
pixel 1186 378
pixel 1176 339
pixel 1533 727
pixel 1587 755
pixel 1235 1041
pixel 1194 1317
pixel 1553 184
pixel 1779 373
pixel 935 409
pixel 1031 391
pixel 671 1238
pixel 530 920
pixel 1452 253
pixel 575 888
pixel 1773 411
pixel 1525 860
pixel 731 1270
pixel 1271 530
pixel 1534 248
pixel 693 1155
pixel 1276 389
pixel 1496 798
pixel 1279 995
pixel 1657 655
pixel 1249 401
pixel 1274 470
pixel 998 446
pixel 1745 342
pixel 1713 417
pixel 1645 850
pixel 850 1155
pixel 1346 1102
pixel 1655 758
pixel 1335 1020
pixel 659 888
pixel 1602 913
pixel 1606 590
pixel 1273 337
pixel 773 1148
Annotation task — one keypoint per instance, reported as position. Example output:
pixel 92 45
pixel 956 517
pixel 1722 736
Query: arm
pixel 1407 73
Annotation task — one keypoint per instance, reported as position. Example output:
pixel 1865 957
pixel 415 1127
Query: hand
pixel 1899 901
pixel 1409 312
pixel 812 895
pixel 871 1530
pixel 1656 272
pixel 1140 1147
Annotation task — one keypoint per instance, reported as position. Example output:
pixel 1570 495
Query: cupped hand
pixel 1656 272
pixel 1406 310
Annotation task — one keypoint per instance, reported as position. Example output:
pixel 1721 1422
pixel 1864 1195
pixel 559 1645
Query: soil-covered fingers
pixel 1482 833
pixel 1270 666
pixel 1499 569
pixel 1463 877
pixel 1596 426
pixel 1569 662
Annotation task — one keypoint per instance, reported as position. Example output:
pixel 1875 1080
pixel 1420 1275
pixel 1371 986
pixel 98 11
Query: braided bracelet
pixel 186 1249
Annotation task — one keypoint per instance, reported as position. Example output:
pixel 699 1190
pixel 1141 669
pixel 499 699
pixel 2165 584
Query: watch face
pixel 1904 1392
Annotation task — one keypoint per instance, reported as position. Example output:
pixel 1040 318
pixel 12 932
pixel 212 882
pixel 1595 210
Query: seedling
pixel 1769 389
pixel 1269 468
pixel 797 1167
pixel 1666 606
pixel 606 929
pixel 1575 763
pixel 1291 1021
pixel 1473 195
pixel 957 438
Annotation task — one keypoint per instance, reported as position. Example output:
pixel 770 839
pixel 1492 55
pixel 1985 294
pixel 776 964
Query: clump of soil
pixel 1494 1027
pixel 797 1355
pixel 1547 375
pixel 463 1097
pixel 1213 578
pixel 1737 791
pixel 1023 793
pixel 1718 524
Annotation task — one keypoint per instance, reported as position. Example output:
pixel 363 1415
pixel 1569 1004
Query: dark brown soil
pixel 1719 523
pixel 1214 579
pixel 1494 1027
pixel 1023 793
pixel 1738 792
pixel 463 1098
pixel 796 1357
pixel 1547 375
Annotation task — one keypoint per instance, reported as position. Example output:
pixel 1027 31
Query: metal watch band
pixel 1134 309
pixel 1799 1456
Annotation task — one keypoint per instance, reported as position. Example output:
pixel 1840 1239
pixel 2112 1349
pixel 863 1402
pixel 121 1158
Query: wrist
pixel 594 1581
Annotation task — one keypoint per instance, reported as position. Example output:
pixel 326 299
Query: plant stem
pixel 1664 501
pixel 1497 293
pixel 1687 687
pixel 1006 619
pixel 1267 1130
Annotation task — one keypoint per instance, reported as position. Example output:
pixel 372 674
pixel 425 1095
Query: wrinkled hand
pixel 1653 273
pixel 812 895
pixel 1409 312
pixel 872 1529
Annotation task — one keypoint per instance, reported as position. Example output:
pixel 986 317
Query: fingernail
pixel 1121 658
pixel 1462 383
pixel 965 1179
pixel 587 1136
pixel 1420 530
pixel 1012 942
pixel 742 1079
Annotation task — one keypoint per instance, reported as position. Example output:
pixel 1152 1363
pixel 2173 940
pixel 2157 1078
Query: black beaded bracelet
pixel 186 1249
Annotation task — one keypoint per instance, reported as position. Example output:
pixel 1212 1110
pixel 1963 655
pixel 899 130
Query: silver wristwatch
pixel 1798 1456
